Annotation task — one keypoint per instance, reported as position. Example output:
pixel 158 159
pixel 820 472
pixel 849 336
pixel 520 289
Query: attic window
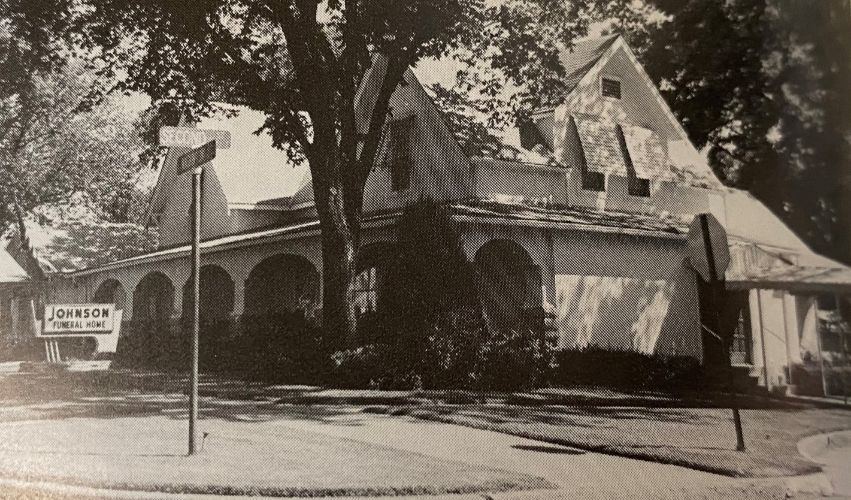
pixel 639 187
pixel 593 181
pixel 611 88
pixel 398 155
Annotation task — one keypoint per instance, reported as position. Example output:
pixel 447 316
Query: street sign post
pixel 194 160
pixel 709 254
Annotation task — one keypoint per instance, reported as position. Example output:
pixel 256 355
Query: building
pixel 587 220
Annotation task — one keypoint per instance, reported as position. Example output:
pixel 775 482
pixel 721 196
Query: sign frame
pixel 191 137
pixel 78 313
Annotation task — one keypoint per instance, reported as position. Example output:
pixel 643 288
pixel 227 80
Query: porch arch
pixel 216 294
pixel 111 291
pixel 509 282
pixel 153 298
pixel 282 283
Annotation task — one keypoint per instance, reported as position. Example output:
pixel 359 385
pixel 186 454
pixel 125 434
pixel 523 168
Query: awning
pixel 752 266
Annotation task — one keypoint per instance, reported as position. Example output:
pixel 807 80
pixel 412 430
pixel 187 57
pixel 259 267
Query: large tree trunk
pixel 339 210
pixel 339 251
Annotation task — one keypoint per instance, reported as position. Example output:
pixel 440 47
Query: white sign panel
pixel 188 137
pixel 79 319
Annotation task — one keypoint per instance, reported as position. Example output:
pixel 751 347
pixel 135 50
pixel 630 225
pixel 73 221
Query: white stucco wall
pixel 607 290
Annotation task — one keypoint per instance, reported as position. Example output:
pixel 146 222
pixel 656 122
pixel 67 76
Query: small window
pixel 366 291
pixel 611 88
pixel 398 157
pixel 639 187
pixel 593 181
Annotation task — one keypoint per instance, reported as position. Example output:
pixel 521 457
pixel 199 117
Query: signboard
pixel 197 157
pixel 76 319
pixel 708 239
pixel 188 137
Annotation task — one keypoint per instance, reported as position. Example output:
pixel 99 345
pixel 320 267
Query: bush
pixel 281 348
pixel 518 359
pixel 431 323
pixel 362 367
pixel 627 370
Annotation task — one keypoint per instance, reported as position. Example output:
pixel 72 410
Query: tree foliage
pixel 55 141
pixel 764 86
pixel 302 63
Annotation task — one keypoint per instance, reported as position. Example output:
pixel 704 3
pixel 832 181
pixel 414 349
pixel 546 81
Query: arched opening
pixel 110 292
pixel 282 283
pixel 153 298
pixel 152 343
pixel 215 306
pixel 509 283
pixel 279 338
pixel 216 295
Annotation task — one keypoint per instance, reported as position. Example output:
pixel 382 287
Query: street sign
pixel 197 157
pixel 188 137
pixel 708 240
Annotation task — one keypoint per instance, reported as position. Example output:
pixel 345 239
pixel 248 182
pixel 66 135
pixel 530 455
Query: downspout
pixel 818 346
pixel 788 346
pixel 762 341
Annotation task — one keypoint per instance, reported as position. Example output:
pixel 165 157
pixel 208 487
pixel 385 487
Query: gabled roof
pixel 11 271
pixel 584 55
pixel 252 170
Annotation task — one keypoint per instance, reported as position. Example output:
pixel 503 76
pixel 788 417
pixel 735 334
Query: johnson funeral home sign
pixel 79 319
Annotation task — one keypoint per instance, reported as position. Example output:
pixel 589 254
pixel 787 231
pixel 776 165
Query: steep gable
pixel 633 104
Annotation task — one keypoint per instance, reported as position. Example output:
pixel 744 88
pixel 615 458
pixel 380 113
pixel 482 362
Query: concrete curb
pixel 85 492
pixel 813 446
pixel 810 484
pixel 810 448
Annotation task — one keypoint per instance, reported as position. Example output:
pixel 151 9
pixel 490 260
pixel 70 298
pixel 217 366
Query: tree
pixel 763 84
pixel 301 62
pixel 55 141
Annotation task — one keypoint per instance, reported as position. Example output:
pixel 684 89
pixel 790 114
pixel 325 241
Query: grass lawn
pixel 700 438
pixel 263 457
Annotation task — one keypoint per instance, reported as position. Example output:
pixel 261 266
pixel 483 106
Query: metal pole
pixel 717 287
pixel 196 288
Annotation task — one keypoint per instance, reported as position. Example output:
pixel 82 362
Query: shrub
pixel 519 358
pixel 431 324
pixel 627 370
pixel 280 347
pixel 362 367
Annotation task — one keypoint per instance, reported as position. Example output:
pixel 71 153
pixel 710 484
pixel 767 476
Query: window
pixel 611 88
pixel 593 181
pixel 740 348
pixel 398 153
pixel 639 186
pixel 366 291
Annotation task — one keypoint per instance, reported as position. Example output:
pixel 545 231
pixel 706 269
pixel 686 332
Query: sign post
pixel 709 254
pixel 195 160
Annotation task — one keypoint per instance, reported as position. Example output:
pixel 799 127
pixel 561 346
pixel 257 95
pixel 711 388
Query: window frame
pixel 603 79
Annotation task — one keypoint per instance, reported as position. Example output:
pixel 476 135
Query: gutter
pixel 230 242
pixel 518 221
